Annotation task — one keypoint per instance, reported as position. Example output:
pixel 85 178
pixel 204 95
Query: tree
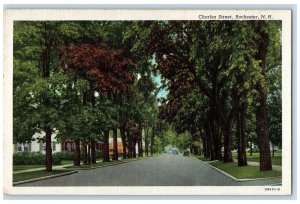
pixel 262 44
pixel 40 41
pixel 107 71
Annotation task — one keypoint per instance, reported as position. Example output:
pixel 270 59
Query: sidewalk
pixel 251 163
pixel 58 167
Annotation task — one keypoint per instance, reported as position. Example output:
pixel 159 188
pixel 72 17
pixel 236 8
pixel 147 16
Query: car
pixel 174 152
pixel 186 153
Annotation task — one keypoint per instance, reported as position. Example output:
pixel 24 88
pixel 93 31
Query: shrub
pixel 33 158
pixel 66 155
pixel 98 154
pixel 254 150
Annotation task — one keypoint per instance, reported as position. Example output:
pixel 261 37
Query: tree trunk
pixel 139 148
pixel 48 150
pixel 218 142
pixel 273 151
pixel 227 143
pixel 205 142
pixel 123 136
pixel 141 144
pixel 140 141
pixel 194 139
pixel 134 149
pixel 202 137
pixel 264 146
pixel 261 117
pixel 240 111
pixel 93 151
pixel 115 148
pixel 130 150
pixel 251 148
pixel 77 153
pixel 216 137
pixel 207 138
pixel 152 142
pixel 106 146
pixel 92 142
pixel 45 59
pixel 85 159
pixel 212 149
pixel 89 154
pixel 242 159
pixel 146 141
pixel 225 120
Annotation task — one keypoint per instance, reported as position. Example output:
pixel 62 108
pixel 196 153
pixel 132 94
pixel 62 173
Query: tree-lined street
pixel 107 90
pixel 164 170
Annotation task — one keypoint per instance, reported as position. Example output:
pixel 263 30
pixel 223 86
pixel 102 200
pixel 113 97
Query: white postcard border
pixel 11 15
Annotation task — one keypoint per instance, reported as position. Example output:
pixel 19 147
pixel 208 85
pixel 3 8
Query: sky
pixel 163 92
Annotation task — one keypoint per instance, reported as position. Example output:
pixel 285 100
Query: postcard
pixel 147 102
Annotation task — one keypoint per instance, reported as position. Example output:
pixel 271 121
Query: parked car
pixel 174 152
pixel 186 153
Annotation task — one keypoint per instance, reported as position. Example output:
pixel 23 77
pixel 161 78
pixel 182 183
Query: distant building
pixel 38 146
pixel 67 145
pixel 111 146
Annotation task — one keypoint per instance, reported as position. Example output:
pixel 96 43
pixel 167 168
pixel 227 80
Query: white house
pixel 36 146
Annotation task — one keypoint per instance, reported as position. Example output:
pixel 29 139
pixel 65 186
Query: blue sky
pixel 163 92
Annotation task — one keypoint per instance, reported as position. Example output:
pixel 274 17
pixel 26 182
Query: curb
pixel 230 176
pixel 42 168
pixel 43 178
pixel 205 162
pixel 96 167
pixel 239 180
pixel 223 172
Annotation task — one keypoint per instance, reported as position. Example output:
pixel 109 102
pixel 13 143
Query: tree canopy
pixel 81 79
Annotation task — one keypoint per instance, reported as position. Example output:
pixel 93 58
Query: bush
pixel 98 154
pixel 66 155
pixel 254 150
pixel 33 158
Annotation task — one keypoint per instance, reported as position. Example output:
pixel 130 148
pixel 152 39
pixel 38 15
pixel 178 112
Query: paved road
pixel 165 170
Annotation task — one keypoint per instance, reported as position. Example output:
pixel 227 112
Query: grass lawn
pixel 202 158
pixel 276 160
pixel 23 167
pixel 36 174
pixel 100 164
pixel 64 162
pixel 246 172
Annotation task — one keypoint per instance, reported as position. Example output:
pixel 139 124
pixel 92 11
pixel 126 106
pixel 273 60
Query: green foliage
pixel 170 137
pixel 33 158
pixel 200 63
pixel 36 174
pixel 245 172
pixel 66 155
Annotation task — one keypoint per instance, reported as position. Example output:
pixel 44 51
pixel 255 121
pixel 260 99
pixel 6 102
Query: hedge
pixel 33 158
pixel 68 155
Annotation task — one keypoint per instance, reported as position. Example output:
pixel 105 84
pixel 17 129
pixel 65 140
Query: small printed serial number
pixel 272 189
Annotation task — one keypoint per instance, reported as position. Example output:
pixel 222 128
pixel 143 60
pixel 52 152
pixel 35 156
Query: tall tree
pixel 43 36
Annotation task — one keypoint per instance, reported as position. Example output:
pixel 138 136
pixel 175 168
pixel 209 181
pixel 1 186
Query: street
pixel 164 170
